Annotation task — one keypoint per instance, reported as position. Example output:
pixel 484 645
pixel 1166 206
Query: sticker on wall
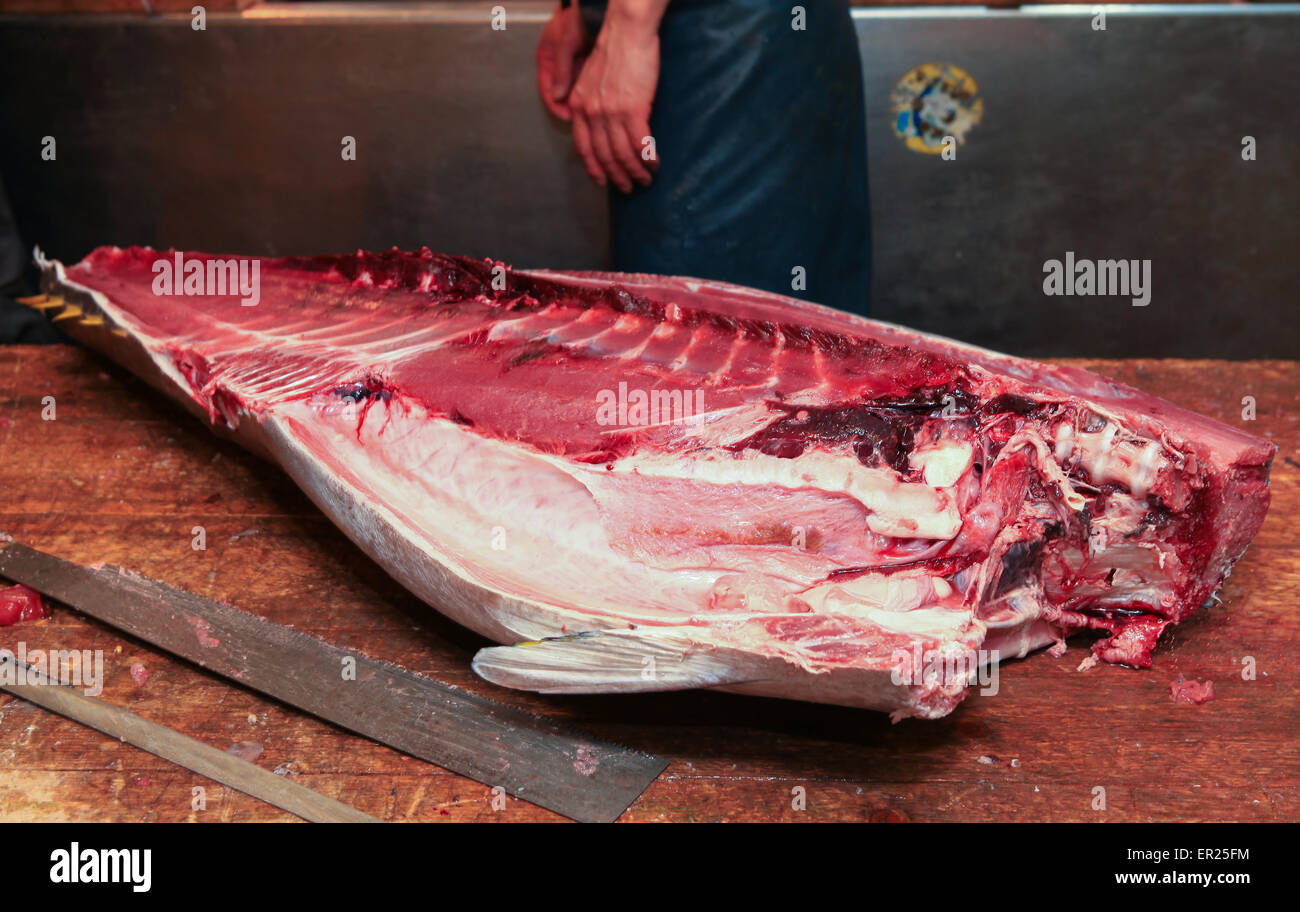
pixel 933 101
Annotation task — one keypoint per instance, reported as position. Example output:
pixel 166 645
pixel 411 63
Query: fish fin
pixel 607 661
pixel 72 311
pixel 41 302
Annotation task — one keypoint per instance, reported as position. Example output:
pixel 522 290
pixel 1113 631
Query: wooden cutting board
pixel 122 476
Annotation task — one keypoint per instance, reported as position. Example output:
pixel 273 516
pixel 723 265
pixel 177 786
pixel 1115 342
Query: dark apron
pixel 18 324
pixel 761 135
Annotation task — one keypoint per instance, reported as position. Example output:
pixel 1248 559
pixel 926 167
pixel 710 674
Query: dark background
pixel 1123 143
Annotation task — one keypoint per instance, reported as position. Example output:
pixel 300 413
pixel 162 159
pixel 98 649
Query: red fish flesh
pixel 645 483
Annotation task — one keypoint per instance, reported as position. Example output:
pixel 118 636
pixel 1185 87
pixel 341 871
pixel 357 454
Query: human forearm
pixel 612 98
pixel 635 15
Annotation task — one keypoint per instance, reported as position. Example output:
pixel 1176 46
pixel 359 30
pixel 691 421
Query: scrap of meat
pixel 1189 690
pixel 650 483
pixel 20 603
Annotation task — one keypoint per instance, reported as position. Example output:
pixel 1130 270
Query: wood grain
pixel 497 744
pixel 138 7
pixel 121 476
pixel 189 753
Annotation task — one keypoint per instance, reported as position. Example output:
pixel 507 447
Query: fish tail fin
pixel 74 308
pixel 41 302
pixel 604 661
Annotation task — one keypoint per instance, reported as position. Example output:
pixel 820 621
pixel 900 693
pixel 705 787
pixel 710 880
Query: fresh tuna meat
pixel 1189 690
pixel 20 603
pixel 653 483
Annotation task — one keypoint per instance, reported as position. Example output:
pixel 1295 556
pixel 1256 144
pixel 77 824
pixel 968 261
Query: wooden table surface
pixel 122 476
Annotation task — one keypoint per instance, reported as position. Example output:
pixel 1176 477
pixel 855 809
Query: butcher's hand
pixel 560 54
pixel 609 102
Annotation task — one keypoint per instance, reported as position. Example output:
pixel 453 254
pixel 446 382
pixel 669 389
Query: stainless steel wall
pixel 1121 143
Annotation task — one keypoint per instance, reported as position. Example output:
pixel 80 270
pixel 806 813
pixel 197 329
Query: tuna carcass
pixel 642 483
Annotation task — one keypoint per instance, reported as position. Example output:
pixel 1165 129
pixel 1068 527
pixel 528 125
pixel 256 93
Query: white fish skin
pixel 604 607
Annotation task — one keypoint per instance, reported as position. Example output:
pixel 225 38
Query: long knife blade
pixel 531 757
pixel 179 749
